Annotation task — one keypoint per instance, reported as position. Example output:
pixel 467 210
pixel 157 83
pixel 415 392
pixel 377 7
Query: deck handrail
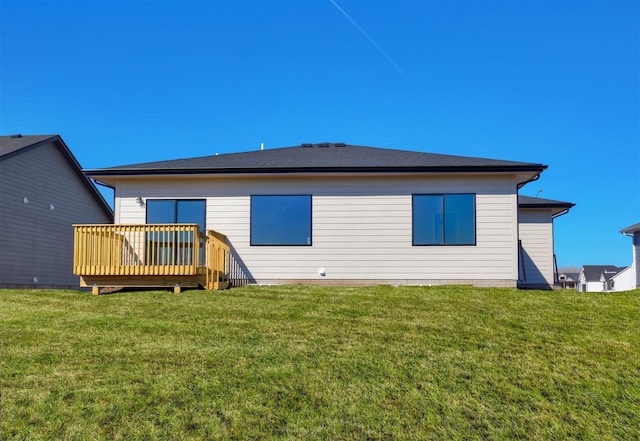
pixel 150 250
pixel 218 260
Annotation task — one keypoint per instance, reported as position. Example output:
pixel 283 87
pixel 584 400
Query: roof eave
pixel 630 230
pixel 534 168
pixel 563 206
pixel 557 210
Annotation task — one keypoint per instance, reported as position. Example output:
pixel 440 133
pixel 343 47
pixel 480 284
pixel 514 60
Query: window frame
pixel 444 235
pixel 203 228
pixel 251 215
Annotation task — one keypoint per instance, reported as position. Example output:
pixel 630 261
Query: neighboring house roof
pixel 622 270
pixel 557 207
pixel 632 229
pixel 570 277
pixel 14 145
pixel 322 157
pixel 594 273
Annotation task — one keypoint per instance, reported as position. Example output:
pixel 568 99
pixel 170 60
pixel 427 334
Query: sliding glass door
pixel 173 247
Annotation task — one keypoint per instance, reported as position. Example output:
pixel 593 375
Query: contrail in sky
pixel 373 42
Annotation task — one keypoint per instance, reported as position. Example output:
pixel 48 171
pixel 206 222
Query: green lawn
pixel 383 363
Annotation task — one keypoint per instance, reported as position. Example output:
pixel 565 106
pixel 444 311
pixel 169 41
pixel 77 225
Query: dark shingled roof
pixel 323 157
pixel 571 277
pixel 531 202
pixel 14 143
pixel 593 272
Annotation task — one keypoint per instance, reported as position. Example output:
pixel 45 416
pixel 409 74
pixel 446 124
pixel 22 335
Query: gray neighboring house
pixel 42 193
pixel 634 232
pixel 568 280
pixel 339 214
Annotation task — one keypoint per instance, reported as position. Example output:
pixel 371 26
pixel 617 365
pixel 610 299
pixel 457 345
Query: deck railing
pixel 151 250
pixel 218 261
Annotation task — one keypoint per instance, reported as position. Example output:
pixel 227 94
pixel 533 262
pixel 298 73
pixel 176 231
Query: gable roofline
pixel 321 158
pixel 594 273
pixel 11 146
pixel 623 270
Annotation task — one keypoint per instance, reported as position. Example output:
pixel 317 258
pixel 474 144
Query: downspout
pixel 553 244
pixel 522 184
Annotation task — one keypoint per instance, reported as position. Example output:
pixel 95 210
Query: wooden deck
pixel 158 255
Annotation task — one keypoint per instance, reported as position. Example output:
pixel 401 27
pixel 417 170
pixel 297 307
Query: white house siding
pixel 36 236
pixel 585 286
pixel 624 280
pixel 536 235
pixel 595 287
pixel 362 227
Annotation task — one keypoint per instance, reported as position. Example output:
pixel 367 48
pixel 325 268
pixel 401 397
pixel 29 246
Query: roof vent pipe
pixel 262 146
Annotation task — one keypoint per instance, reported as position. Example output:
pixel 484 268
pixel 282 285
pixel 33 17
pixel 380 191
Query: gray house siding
pixel 636 256
pixel 41 197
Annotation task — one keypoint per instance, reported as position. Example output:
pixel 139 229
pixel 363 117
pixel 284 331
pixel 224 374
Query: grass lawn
pixel 383 363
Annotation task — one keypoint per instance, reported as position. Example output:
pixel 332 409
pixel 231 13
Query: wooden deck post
pixel 95 290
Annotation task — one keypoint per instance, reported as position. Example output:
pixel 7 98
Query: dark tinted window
pixel 444 219
pixel 281 220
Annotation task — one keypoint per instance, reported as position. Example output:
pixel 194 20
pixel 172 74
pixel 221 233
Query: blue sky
pixel 553 82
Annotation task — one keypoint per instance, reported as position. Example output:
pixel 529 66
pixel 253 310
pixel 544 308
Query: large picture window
pixel 281 220
pixel 444 219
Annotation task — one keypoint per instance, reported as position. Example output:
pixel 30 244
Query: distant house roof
pixel 11 146
pixel 593 273
pixel 556 206
pixel 570 277
pixel 632 229
pixel 321 158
